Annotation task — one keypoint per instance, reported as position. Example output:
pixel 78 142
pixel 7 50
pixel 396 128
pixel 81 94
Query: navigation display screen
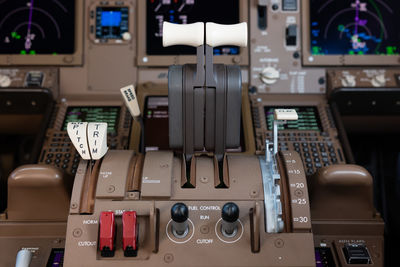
pixel 184 12
pixel 94 114
pixel 309 119
pixel 354 27
pixel 111 22
pixel 30 27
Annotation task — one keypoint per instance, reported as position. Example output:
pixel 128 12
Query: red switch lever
pixel 129 234
pixel 107 233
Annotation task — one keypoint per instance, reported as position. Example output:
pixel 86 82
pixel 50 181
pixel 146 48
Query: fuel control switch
pixel 230 216
pixel 179 216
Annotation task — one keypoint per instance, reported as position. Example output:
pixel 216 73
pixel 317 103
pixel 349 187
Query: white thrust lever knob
pixel 220 34
pixel 183 34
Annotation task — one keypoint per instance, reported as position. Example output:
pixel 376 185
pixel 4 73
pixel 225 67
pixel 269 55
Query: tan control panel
pixel 219 186
pixel 314 135
pixel 177 226
pixel 351 78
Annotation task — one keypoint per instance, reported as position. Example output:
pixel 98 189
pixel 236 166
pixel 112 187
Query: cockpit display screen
pixel 354 27
pixel 111 22
pixel 185 12
pixel 30 27
pixel 107 114
pixel 308 120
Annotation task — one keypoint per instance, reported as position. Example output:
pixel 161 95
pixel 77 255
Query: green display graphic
pixel 107 114
pixel 355 27
pixel 308 120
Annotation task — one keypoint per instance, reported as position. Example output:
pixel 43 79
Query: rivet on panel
pixel 74 205
pixel 68 59
pixel 168 258
pixel 204 229
pixel 236 60
pixel 279 243
pixel 110 189
pixel 253 192
pixel 298 193
pixel 204 180
pixel 77 232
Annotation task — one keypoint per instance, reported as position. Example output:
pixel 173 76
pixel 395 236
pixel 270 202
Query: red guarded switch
pixel 107 233
pixel 129 234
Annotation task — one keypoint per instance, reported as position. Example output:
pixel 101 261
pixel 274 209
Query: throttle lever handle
pixel 220 34
pixel 193 34
pixel 183 34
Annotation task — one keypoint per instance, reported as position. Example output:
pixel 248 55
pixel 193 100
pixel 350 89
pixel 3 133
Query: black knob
pixel 230 212
pixel 179 212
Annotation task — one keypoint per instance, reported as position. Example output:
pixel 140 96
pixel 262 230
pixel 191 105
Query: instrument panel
pixel 314 135
pixel 45 27
pixel 184 12
pixel 41 33
pixel 288 193
pixel 354 28
pixel 111 22
pixel 349 33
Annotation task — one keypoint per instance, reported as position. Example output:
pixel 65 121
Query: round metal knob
pixel 269 75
